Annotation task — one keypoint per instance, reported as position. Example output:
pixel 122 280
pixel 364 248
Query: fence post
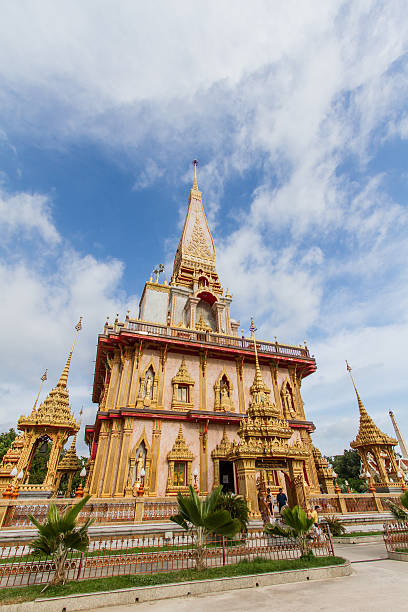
pixel 3 513
pixel 342 503
pixel 378 502
pixel 80 566
pixel 223 550
pixel 139 505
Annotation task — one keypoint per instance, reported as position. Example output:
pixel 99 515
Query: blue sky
pixel 298 116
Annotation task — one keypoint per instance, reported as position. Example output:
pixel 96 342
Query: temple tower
pixel 376 450
pixel 263 446
pixel 52 421
pixel 181 362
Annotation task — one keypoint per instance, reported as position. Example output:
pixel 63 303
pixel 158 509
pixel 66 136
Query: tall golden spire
pixel 195 256
pixel 62 383
pixel 368 432
pixel 361 407
pixel 55 410
pixel 258 381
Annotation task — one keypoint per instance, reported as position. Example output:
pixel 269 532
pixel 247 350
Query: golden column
pixel 124 456
pixel 112 460
pixel 156 437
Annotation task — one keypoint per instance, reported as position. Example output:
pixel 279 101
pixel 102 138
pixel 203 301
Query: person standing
pixel 269 501
pixel 314 514
pixel 281 499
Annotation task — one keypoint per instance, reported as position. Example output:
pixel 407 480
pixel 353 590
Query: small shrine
pixel 51 422
pixel 263 447
pixel 376 450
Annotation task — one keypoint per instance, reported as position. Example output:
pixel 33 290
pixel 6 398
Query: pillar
pixel 162 376
pixel 203 459
pixel 134 383
pixel 240 384
pixel 114 365
pixel 246 477
pixel 126 373
pixel 274 375
pixel 203 380
pixel 112 460
pixel 156 438
pixel 100 457
pixel 124 457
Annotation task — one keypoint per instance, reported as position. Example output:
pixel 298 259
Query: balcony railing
pixel 192 335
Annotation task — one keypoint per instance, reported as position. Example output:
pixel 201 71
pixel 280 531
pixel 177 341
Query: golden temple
pixel 183 399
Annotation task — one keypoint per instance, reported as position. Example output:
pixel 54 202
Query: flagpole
pixel 43 379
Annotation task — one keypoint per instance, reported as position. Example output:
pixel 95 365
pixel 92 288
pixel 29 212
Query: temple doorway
pixel 227 476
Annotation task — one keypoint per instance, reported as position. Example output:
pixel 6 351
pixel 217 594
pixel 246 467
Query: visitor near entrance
pixel 281 499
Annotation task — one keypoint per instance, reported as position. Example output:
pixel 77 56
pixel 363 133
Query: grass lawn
pixel 257 566
pixel 359 534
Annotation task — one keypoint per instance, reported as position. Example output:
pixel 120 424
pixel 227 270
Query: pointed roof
pixel 55 410
pixel 70 461
pixel 258 386
pixel 180 449
pixel 196 247
pixel 368 434
pixel 183 375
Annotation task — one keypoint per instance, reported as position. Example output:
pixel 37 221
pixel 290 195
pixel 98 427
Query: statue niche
pixel 147 387
pixel 139 459
pixel 223 394
pixel 288 401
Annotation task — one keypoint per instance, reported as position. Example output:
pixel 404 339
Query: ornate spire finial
pixel 258 376
pixel 43 379
pixel 64 376
pixel 195 184
pixel 360 403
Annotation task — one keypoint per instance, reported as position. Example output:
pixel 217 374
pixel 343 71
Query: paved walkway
pixel 375 586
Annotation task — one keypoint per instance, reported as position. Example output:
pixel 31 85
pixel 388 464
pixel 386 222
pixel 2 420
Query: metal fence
pixel 151 554
pixel 396 536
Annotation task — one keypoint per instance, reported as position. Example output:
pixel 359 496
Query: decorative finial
pixel 252 328
pixel 64 376
pixel 158 271
pixel 43 379
pixel 195 184
pixel 360 403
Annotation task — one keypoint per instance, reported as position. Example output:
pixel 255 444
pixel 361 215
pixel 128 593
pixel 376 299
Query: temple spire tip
pixel 195 184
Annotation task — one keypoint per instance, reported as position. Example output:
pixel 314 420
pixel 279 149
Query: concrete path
pixel 375 586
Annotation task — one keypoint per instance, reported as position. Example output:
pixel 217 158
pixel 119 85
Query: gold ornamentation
pixel 375 448
pixel 202 325
pixel 52 421
pixel 179 454
pixel 223 388
pixel 183 386
pixel 198 246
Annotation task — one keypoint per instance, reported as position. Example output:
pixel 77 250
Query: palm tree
pixel 201 518
pixel 60 534
pixel 298 526
pixel 399 512
pixel 236 506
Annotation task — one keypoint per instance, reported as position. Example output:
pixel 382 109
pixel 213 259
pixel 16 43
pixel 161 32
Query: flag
pixel 44 376
pixel 348 367
pixel 78 326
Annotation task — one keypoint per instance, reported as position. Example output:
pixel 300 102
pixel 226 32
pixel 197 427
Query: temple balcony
pixel 166 332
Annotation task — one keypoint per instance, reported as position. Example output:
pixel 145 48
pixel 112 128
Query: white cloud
pixel 298 94
pixel 151 173
pixel 43 295
pixel 24 212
